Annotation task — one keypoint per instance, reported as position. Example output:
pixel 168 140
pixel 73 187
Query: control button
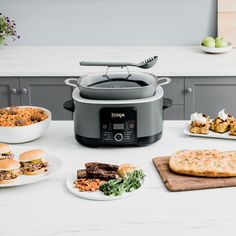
pixel 118 137
pixel 104 126
pixel 131 125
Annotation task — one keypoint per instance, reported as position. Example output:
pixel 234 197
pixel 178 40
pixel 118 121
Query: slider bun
pixel 8 164
pixel 36 172
pixel 4 148
pixel 31 155
pixel 126 168
pixel 8 181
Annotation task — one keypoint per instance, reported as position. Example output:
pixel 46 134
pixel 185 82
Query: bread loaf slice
pixel 206 163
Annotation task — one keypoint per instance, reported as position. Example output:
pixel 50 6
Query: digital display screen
pixel 118 126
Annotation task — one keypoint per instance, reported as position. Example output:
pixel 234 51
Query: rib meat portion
pixel 103 166
pixel 102 174
pixel 95 170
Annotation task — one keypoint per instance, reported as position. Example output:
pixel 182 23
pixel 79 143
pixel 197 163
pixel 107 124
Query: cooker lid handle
pixel 68 82
pixel 166 81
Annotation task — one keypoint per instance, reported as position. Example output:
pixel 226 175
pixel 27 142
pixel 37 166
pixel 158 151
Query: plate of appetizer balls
pixel 26 167
pixel 105 182
pixel 222 126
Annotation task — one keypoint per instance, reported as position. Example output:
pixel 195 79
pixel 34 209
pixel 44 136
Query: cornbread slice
pixel 220 126
pixel 206 163
pixel 197 127
pixel 233 128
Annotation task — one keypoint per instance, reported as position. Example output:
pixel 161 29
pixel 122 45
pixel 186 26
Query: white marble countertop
pixel 64 61
pixel 47 208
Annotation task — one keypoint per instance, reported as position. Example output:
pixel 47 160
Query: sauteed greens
pixel 117 187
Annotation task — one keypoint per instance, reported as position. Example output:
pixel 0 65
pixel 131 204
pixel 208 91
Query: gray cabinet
pixel 9 89
pixel 50 93
pixel 209 95
pixel 175 91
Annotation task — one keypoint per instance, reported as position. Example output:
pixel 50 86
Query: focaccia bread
pixel 207 163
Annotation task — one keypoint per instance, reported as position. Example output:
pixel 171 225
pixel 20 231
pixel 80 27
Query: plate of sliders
pixel 26 168
pixel 201 125
pixel 105 182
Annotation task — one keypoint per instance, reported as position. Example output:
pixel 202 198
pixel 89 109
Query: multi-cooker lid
pixel 117 80
pixel 118 85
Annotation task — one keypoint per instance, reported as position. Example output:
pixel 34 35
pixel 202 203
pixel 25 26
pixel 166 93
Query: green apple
pixel 221 42
pixel 209 42
pixel 218 39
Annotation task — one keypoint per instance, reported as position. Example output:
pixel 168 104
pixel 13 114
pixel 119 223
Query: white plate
pixel 211 134
pixel 98 195
pixel 216 50
pixel 54 165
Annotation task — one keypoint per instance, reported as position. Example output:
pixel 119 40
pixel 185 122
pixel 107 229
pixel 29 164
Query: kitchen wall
pixel 112 22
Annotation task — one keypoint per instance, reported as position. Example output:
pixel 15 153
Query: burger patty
pixel 30 167
pixel 8 175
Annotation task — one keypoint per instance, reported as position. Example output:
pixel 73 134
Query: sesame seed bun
pixel 31 155
pixel 4 148
pixel 36 172
pixel 8 164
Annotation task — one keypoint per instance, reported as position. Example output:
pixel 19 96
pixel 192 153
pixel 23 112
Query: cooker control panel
pixel 118 125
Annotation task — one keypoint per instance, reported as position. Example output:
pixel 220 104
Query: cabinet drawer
pixel 175 112
pixel 175 90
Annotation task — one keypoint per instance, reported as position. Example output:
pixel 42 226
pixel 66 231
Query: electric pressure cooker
pixel 119 108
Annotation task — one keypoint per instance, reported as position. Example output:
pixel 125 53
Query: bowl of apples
pixel 217 45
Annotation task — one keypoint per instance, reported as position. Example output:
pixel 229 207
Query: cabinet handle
pixel 189 90
pixel 13 91
pixel 24 90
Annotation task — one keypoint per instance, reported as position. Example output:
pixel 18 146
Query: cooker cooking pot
pixel 115 85
pixel 118 109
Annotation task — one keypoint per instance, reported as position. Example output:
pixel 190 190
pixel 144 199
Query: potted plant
pixel 7 29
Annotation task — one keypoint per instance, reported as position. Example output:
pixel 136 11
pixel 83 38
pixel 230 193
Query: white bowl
pixel 216 50
pixel 22 134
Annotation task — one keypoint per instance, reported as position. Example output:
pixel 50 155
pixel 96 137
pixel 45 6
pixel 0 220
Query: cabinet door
pixel 50 93
pixel 9 92
pixel 209 95
pixel 175 91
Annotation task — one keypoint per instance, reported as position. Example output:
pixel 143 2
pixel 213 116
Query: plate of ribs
pixel 104 182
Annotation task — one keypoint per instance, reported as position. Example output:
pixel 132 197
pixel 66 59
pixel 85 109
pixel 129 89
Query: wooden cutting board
pixel 227 20
pixel 175 182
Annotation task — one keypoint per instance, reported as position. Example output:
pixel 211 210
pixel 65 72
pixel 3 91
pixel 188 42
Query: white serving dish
pixel 216 50
pixel 96 196
pixel 54 164
pixel 22 134
pixel 211 134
